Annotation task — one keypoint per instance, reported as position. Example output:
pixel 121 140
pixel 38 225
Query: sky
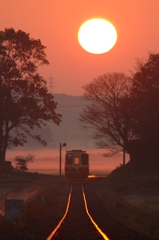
pixel 56 24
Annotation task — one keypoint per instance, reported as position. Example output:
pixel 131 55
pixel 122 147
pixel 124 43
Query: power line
pixel 63 84
pixel 61 80
pixel 73 106
pixel 56 84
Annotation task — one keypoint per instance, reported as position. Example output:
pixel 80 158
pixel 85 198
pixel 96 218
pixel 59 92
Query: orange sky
pixel 47 160
pixel 56 23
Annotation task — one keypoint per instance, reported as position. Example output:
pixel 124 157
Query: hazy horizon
pixel 47 160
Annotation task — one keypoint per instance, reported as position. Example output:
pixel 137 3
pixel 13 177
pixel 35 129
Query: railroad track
pixel 77 222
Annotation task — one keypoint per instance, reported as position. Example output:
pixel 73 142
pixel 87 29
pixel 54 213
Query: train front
pixel 76 165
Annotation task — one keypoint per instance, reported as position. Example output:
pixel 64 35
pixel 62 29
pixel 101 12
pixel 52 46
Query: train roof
pixel 75 150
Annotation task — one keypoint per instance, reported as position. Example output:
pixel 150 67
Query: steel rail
pixel 96 226
pixel 59 224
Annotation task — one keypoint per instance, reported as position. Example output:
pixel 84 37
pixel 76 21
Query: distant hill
pixel 69 129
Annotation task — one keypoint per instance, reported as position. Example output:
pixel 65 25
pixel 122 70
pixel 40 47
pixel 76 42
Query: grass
pixel 3 190
pixel 133 199
pixel 34 208
pixel 130 196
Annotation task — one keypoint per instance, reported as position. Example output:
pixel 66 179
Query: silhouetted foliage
pixel 22 162
pixel 24 98
pixel 123 109
pixel 145 99
pixel 108 112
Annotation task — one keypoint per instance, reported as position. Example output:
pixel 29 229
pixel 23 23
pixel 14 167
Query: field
pixel 21 185
pixel 30 187
pixel 131 198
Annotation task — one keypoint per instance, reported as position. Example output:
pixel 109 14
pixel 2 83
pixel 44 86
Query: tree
pixel 24 98
pixel 108 113
pixel 22 162
pixel 145 95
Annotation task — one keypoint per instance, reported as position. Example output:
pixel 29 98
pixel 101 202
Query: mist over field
pixel 69 132
pixel 47 161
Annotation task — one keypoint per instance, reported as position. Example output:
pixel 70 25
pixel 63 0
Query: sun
pixel 97 36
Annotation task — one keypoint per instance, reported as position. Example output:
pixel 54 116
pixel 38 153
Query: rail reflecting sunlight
pixel 96 226
pixel 57 227
pixel 96 176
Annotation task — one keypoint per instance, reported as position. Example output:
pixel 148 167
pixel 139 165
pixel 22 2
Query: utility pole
pixel 124 156
pixel 51 84
pixel 61 145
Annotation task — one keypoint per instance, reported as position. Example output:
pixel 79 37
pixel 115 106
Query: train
pixel 76 165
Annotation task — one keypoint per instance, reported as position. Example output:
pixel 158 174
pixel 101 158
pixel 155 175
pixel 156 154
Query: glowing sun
pixel 97 36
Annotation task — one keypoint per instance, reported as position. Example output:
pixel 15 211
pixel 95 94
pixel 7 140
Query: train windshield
pixel 84 159
pixel 69 159
pixel 77 161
